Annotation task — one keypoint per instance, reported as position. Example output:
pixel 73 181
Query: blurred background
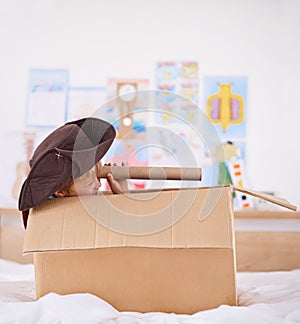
pixel 79 53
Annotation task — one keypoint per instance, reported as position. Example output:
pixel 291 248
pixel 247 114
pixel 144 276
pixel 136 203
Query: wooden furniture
pixel 267 241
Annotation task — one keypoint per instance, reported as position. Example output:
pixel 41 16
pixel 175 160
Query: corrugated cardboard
pixel 184 265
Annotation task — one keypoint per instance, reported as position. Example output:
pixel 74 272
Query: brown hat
pixel 64 155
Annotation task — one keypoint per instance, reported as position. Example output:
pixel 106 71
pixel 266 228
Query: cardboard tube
pixel 153 173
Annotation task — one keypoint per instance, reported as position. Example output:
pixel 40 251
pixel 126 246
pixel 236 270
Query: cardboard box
pixel 168 251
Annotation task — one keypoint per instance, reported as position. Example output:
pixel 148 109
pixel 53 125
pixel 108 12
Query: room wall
pixel 96 40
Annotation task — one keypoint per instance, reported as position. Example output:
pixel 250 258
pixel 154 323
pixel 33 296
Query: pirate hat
pixel 64 155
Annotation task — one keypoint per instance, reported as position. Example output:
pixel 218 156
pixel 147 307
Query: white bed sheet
pixel 267 297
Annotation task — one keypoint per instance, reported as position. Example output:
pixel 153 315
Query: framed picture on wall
pixel 47 97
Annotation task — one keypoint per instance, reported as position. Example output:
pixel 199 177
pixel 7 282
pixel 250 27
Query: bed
pixel 268 280
pixel 264 297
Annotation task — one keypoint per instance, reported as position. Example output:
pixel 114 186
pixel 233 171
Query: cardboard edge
pixel 273 199
pixel 232 218
pixel 28 252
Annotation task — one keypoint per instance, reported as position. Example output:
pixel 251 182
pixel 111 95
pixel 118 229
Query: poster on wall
pixel 84 101
pixel 126 108
pixel 127 102
pixel 14 164
pixel 130 152
pixel 177 82
pixel 47 98
pixel 177 115
pixel 226 106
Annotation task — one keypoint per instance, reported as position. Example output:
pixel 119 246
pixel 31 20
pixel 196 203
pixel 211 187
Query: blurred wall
pixel 96 40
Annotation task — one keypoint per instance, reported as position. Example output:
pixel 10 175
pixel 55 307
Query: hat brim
pixel 57 167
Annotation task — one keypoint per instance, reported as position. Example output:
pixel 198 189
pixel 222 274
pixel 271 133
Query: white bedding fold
pixel 268 297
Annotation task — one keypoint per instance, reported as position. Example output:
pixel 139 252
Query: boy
pixel 89 184
pixel 65 163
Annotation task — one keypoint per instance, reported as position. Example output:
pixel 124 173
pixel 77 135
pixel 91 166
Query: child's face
pixel 87 184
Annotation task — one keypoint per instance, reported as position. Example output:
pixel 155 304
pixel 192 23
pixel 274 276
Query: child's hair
pixel 66 188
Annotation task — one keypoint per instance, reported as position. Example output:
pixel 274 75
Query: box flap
pixel 165 219
pixel 275 200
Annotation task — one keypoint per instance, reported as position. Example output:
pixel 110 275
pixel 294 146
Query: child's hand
pixel 117 186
